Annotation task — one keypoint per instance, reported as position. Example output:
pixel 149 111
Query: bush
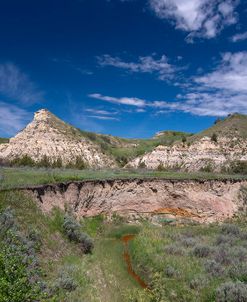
pixel 214 138
pixel 223 255
pixel 232 292
pixel 238 167
pixel 214 268
pixel 201 251
pixel 171 272
pixel 230 229
pixel 23 161
pixel 20 274
pixel 174 249
pixel 188 242
pixel 239 272
pixel 65 282
pixel 198 282
pixel 73 230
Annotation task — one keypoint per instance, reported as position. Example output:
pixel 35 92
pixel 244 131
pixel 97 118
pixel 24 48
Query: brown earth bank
pixel 156 199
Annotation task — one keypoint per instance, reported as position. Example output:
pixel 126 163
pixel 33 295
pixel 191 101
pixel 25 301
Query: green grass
pixel 22 177
pixel 123 149
pixel 166 258
pixel 101 276
pixel 3 140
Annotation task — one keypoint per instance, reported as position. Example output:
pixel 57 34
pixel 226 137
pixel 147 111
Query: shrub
pixel 222 255
pixel 232 292
pixel 171 272
pixel 189 242
pixel 238 272
pixel 73 230
pixel 230 229
pixel 214 268
pixel 161 167
pixel 201 251
pixel 214 138
pixel 198 282
pixel 23 161
pixel 20 274
pixel 225 239
pixel 65 282
pixel 238 167
pixel 174 249
pixel 142 165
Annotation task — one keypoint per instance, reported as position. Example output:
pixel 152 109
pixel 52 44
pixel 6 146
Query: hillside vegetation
pixel 233 126
pixel 3 140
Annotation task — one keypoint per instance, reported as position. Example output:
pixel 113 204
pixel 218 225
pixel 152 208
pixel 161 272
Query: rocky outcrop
pixel 203 201
pixel 200 154
pixel 48 136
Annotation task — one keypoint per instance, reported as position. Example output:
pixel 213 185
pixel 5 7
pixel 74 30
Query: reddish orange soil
pixel 126 255
pixel 176 211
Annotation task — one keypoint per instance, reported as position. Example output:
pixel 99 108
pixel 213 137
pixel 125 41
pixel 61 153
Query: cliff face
pixel 203 201
pixel 199 154
pixel 48 136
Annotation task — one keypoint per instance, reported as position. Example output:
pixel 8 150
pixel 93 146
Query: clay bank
pixel 157 199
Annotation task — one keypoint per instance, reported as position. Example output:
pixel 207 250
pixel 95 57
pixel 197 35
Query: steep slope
pixel 213 149
pixel 124 149
pixel 49 137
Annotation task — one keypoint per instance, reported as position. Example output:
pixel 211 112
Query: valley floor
pixel 180 263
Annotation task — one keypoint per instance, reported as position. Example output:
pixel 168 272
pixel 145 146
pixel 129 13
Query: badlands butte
pixel 47 141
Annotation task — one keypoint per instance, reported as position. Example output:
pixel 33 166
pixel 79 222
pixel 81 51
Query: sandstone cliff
pixel 203 201
pixel 201 154
pixel 49 136
pixel 213 149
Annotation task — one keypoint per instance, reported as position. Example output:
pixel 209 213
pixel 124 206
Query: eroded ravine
pixel 126 239
pixel 200 200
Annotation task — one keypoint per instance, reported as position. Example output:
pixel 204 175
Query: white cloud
pixel 203 18
pixel 239 37
pixel 123 101
pixel 217 93
pixel 146 64
pixel 16 85
pixel 100 111
pixel 231 74
pixel 101 117
pixel 12 119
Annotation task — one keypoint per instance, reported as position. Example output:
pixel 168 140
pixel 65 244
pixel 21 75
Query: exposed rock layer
pixel 201 154
pixel 204 201
pixel 48 136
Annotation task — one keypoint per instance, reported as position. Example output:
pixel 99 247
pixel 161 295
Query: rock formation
pixel 48 136
pixel 203 201
pixel 202 154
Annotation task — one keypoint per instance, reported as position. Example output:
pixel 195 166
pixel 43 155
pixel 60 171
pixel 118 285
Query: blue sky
pixel 128 68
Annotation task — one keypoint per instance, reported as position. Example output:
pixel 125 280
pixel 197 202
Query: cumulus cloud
pixel 216 93
pixel 239 37
pixel 16 85
pixel 219 92
pixel 12 118
pixel 146 64
pixel 202 18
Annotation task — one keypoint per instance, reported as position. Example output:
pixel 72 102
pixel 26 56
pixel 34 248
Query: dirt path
pixel 109 272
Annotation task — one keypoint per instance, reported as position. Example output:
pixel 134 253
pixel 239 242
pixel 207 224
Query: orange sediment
pixel 176 211
pixel 126 255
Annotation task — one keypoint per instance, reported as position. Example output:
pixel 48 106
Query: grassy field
pixel 194 262
pixel 20 177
